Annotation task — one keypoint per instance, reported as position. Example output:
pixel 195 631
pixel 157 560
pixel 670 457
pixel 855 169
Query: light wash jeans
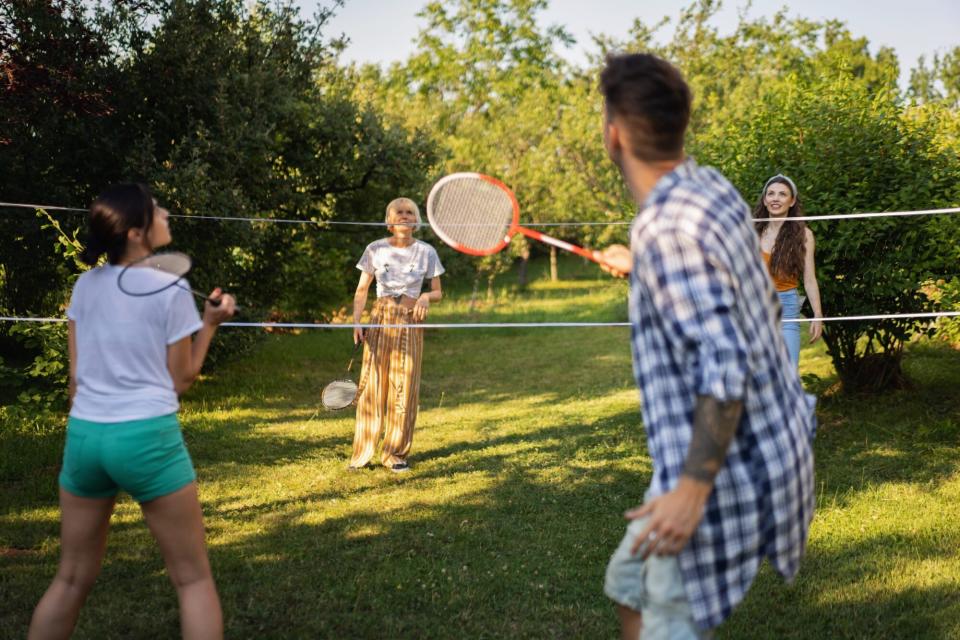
pixel 790 301
pixel 653 587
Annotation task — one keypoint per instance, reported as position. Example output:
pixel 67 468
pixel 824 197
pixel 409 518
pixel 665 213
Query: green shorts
pixel 146 458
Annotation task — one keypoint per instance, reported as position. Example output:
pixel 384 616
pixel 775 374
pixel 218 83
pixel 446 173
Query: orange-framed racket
pixel 478 215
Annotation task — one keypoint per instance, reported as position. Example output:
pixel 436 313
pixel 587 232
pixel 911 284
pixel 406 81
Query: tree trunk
pixel 553 264
pixel 473 296
pixel 873 373
pixel 522 270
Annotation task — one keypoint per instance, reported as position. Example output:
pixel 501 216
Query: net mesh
pixel 471 212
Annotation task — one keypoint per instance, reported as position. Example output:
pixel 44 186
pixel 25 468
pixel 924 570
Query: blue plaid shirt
pixel 705 321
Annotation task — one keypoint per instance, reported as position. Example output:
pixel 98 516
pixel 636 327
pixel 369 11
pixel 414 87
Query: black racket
pixel 158 272
pixel 341 393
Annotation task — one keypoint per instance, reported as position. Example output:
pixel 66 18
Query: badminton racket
pixel 158 272
pixel 478 215
pixel 341 393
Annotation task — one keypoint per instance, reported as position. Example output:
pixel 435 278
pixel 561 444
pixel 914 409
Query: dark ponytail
pixel 92 251
pixel 116 210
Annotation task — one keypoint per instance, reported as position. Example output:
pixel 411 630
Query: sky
pixel 383 31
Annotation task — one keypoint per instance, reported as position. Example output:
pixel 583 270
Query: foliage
pixel 808 99
pixel 491 77
pixel 850 151
pixel 244 109
pixel 947 294
pixel 35 375
pixel 938 83
pixel 225 108
pixel 57 74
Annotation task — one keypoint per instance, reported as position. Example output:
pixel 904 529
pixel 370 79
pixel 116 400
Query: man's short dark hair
pixel 652 98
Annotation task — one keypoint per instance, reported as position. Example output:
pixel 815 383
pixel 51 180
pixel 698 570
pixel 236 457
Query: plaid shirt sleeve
pixel 693 292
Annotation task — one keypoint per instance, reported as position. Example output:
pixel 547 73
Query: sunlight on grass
pixel 529 447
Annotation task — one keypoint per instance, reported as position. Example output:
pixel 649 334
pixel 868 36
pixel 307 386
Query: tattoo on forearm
pixel 714 424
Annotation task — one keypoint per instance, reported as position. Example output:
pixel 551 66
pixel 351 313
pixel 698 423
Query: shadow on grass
pixel 846 592
pixel 559 445
pixel 505 562
pixel 909 436
pixel 519 557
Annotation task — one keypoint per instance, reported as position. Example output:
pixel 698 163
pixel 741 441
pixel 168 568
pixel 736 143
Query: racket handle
pixel 560 244
pixel 216 302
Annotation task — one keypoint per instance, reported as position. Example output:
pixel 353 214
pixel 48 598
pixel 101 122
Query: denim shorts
pixel 653 587
pixel 146 458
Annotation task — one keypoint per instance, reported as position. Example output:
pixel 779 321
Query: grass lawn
pixel 528 449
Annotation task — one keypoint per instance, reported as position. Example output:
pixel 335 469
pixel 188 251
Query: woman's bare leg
pixel 84 523
pixel 176 521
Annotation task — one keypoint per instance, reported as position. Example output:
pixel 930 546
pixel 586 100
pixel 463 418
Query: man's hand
pixel 674 517
pixel 615 260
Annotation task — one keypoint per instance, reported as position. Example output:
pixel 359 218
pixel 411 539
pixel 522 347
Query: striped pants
pixel 389 388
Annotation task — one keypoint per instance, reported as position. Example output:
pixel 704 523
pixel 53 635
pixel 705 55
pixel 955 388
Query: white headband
pixel 780 176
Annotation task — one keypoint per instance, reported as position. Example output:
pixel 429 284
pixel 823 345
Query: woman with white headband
pixel 787 248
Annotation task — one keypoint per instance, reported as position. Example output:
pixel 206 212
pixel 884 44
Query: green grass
pixel 528 449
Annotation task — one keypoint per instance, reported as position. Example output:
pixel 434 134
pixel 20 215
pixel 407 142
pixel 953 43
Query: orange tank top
pixel 780 284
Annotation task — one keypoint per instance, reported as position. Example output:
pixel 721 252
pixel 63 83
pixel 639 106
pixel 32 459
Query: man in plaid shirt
pixel 728 425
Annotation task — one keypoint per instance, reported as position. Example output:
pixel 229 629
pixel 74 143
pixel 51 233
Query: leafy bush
pixel 947 294
pixel 850 151
pixel 225 108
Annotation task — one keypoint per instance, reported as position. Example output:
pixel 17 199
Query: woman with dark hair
pixel 787 249
pixel 130 359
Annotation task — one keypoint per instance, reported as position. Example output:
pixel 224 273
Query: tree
pixel 224 107
pixel 940 82
pixel 489 77
pixel 850 151
pixel 57 108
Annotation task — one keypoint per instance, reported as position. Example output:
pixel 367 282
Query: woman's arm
pixel 811 288
pixel 360 303
pixel 72 350
pixel 423 302
pixel 185 357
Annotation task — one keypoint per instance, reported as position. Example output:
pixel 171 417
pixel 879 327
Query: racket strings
pixel 472 212
pixel 339 394
pixel 154 274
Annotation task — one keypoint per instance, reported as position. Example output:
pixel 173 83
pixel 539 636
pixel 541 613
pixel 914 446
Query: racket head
pixel 473 213
pixel 153 274
pixel 339 394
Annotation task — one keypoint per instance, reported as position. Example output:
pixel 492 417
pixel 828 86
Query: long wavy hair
pixel 790 248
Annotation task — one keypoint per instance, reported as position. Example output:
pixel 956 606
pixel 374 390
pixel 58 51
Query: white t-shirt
pixel 122 346
pixel 400 270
